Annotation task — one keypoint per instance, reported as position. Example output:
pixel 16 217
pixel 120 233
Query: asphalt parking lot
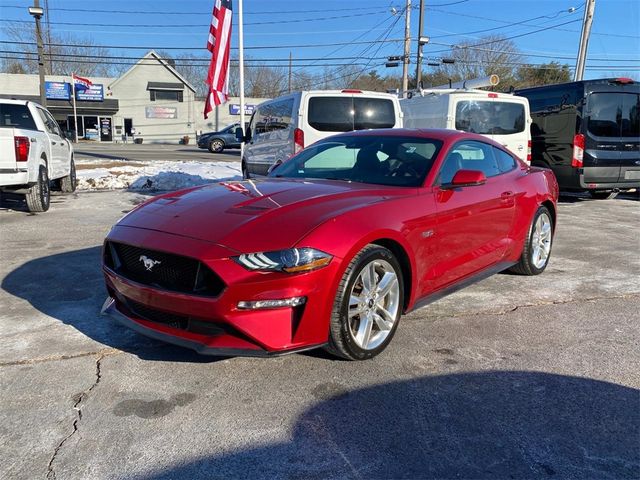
pixel 514 377
pixel 150 152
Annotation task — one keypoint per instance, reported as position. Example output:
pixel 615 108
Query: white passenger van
pixel 502 117
pixel 281 127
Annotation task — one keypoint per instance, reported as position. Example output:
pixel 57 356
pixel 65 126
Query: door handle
pixel 53 143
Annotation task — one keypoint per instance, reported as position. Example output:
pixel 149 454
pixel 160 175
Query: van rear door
pixel 612 137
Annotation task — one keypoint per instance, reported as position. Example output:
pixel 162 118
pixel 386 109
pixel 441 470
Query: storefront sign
pixel 161 112
pixel 94 93
pixel 234 109
pixel 57 90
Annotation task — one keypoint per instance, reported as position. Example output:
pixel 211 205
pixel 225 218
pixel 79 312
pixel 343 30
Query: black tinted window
pixel 344 114
pixel 630 118
pixel 16 116
pixel 401 161
pixel 614 114
pixel 486 118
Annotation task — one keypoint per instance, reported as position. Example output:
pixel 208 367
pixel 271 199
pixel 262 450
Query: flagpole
pixel 241 65
pixel 75 113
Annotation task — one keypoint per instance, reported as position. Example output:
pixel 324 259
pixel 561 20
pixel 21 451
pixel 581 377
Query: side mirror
pixel 468 178
pixel 240 136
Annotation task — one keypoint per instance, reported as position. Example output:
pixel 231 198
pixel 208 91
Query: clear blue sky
pixel 614 48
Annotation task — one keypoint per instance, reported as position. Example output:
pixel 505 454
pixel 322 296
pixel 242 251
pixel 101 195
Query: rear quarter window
pixel 16 116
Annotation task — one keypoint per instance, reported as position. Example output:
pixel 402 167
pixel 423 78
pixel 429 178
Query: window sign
pixel 95 93
pixel 57 90
pixel 161 112
pixel 234 109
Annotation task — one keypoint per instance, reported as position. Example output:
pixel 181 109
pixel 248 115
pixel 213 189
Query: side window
pixel 275 116
pixel 47 122
pixel 469 155
pixel 54 124
pixel 506 162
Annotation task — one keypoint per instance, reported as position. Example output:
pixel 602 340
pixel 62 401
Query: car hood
pixel 255 215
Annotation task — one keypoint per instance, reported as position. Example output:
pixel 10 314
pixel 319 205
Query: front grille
pixel 174 320
pixel 162 270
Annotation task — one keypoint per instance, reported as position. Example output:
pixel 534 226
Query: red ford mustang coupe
pixel 332 248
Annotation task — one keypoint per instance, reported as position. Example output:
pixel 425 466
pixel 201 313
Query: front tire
pixel 245 172
pixel 368 305
pixel 537 247
pixel 68 183
pixel 39 196
pixel 216 145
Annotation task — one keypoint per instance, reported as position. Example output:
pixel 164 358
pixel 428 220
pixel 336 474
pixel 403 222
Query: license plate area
pixel 632 175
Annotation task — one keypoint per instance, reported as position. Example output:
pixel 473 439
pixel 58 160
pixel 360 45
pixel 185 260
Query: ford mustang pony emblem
pixel 148 262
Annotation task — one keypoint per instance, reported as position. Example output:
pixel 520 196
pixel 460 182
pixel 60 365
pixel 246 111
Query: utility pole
pixel 47 18
pixel 584 39
pixel 407 50
pixel 290 65
pixel 37 12
pixel 420 44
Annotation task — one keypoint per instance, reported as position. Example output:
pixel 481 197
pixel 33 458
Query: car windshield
pixel 382 160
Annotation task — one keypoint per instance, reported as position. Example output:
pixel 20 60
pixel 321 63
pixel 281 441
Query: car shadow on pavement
pixel 509 424
pixel 70 287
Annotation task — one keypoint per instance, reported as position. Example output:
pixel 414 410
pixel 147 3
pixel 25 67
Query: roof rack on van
pixel 489 81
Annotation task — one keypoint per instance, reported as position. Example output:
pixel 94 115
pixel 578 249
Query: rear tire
pixel 368 305
pixel 245 172
pixel 39 196
pixel 537 247
pixel 68 183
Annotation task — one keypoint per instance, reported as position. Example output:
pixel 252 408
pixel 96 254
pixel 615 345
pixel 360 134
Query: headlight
pixel 292 260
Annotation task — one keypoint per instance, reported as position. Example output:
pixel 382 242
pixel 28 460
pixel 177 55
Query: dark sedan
pixel 216 142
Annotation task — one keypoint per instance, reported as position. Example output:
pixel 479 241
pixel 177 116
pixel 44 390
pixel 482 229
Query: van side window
pixel 274 116
pixel 469 155
pixel 490 118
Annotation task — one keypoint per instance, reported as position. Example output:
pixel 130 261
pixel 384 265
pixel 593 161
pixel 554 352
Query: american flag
pixel 218 44
pixel 81 84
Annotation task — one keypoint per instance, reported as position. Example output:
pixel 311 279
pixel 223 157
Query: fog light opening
pixel 279 303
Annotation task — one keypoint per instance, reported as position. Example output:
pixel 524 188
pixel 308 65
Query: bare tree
pixel 65 55
pixel 491 54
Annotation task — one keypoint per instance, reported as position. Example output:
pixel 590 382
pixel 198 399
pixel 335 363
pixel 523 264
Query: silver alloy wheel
pixel 374 301
pixel 217 146
pixel 541 241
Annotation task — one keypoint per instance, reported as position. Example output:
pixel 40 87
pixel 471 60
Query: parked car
pixel 281 127
pixel 216 142
pixel 332 248
pixel 588 133
pixel 34 154
pixel 502 117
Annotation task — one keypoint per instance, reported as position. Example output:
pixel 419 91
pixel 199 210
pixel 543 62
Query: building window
pixel 166 95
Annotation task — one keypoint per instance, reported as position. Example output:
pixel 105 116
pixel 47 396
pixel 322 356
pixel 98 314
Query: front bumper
pixel 215 325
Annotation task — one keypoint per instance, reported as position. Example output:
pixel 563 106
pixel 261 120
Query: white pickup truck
pixel 34 155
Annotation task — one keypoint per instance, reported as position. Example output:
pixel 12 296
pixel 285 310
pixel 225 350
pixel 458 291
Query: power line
pixel 196 25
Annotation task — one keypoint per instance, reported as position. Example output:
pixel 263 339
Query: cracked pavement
pixel 514 377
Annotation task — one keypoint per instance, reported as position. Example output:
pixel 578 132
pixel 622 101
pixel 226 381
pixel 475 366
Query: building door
pixel 106 134
pixel 71 122
pixel 128 125
pixel 91 128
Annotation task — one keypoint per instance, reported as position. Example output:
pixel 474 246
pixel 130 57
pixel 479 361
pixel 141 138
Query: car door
pixel 58 163
pixel 473 222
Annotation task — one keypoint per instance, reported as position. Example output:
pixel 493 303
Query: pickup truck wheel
pixel 245 172
pixel 39 196
pixel 216 145
pixel 68 183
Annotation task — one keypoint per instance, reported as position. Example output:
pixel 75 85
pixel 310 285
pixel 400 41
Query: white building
pixel 150 101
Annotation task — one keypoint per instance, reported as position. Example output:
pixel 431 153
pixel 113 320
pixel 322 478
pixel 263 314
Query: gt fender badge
pixel 427 234
pixel 148 263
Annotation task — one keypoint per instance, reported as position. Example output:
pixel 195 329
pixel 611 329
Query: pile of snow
pixel 154 175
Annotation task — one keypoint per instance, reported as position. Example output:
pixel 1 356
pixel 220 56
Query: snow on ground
pixel 154 175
